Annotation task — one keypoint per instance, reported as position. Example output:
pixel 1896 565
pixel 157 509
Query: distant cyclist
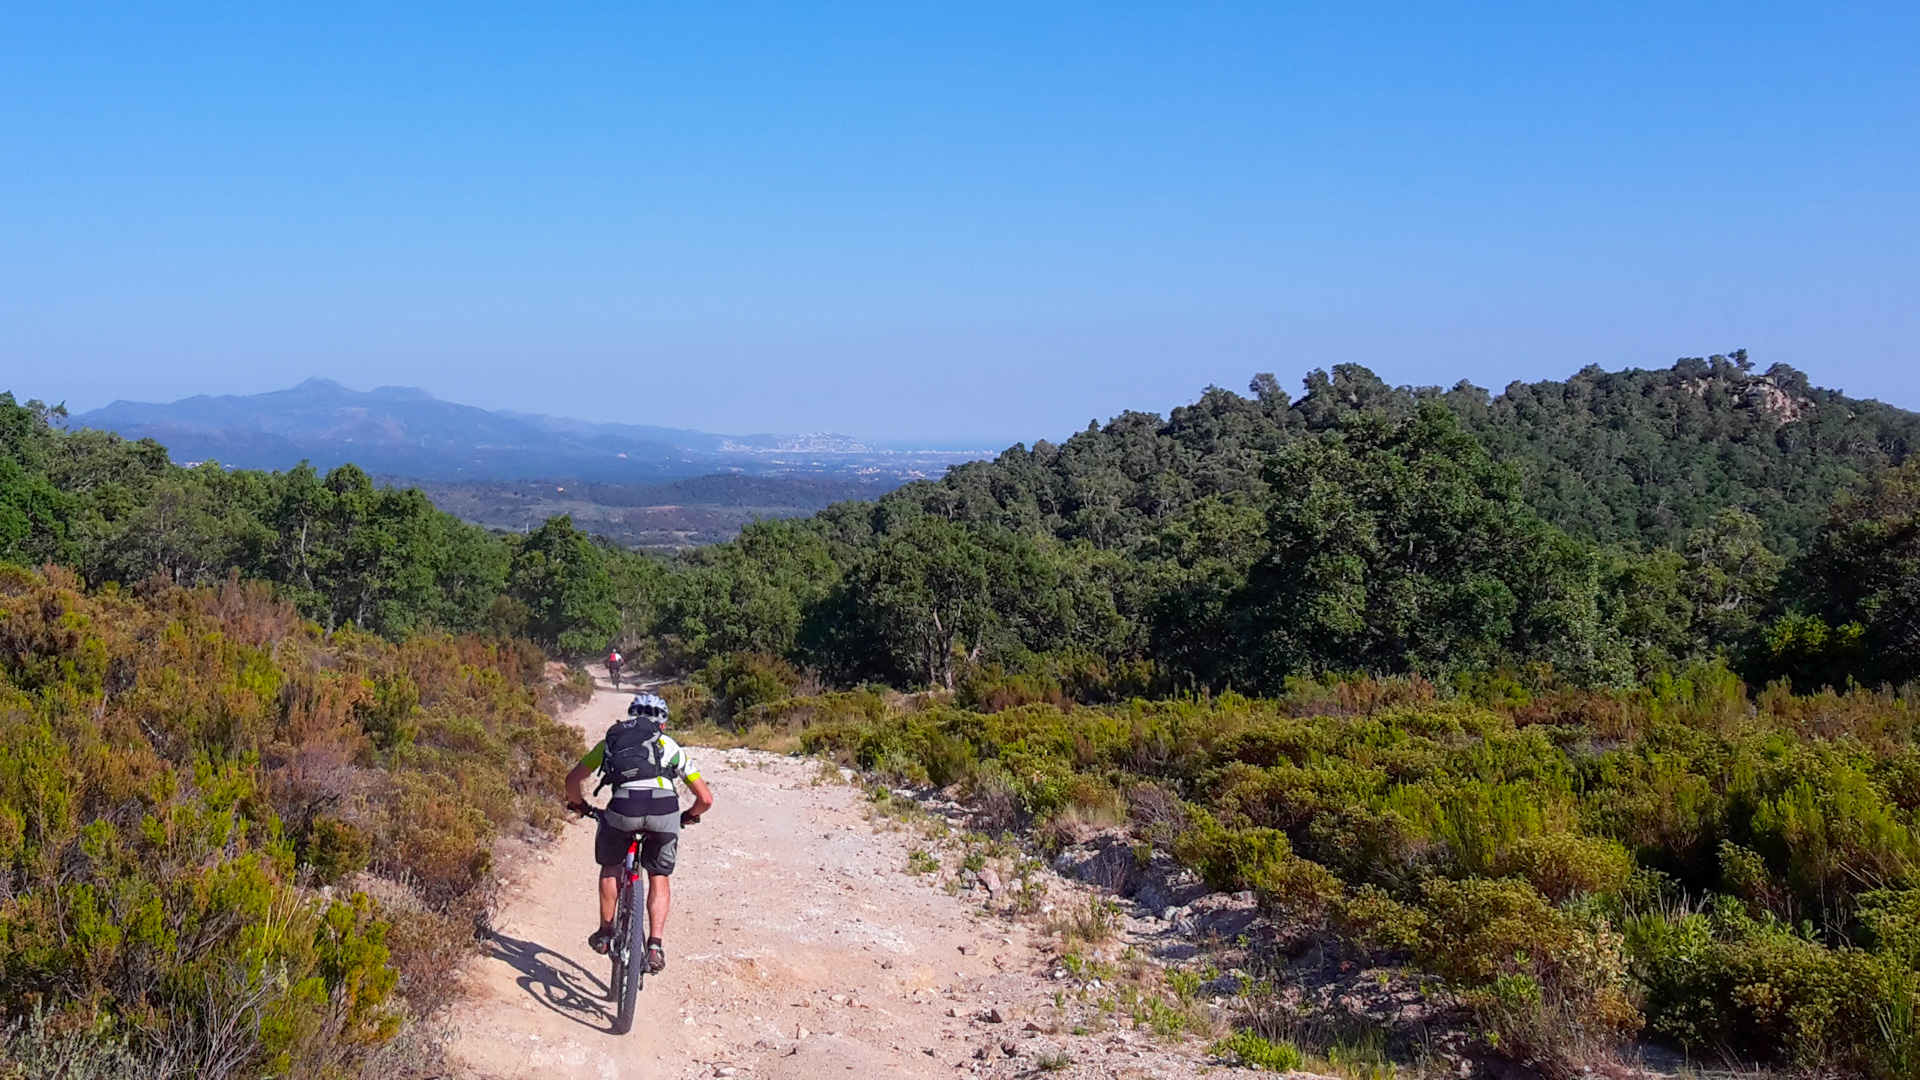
pixel 614 659
pixel 640 763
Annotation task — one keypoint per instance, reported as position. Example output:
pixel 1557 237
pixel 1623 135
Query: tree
pixel 33 511
pixel 1403 547
pixel 1864 571
pixel 32 515
pixel 1731 576
pixel 561 576
pixel 752 595
pixel 920 592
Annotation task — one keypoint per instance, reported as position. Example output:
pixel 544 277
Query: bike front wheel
pixel 629 955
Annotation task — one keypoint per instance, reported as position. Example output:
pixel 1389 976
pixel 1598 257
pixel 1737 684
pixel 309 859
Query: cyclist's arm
pixel 702 795
pixel 577 779
pixel 690 775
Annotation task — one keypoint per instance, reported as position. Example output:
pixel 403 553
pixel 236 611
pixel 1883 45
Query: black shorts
pixel 659 843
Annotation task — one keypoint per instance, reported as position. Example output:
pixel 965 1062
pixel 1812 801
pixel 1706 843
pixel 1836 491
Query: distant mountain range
pixel 407 432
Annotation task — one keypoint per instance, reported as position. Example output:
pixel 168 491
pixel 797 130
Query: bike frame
pixel 628 954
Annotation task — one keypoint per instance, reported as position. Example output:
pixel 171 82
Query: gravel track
pixel 797 948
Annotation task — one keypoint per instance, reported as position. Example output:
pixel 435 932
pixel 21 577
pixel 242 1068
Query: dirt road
pixel 798 948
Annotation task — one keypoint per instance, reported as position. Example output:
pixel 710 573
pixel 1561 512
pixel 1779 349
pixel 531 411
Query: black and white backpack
pixel 634 755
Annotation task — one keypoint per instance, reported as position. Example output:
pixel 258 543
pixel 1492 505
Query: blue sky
pixel 938 222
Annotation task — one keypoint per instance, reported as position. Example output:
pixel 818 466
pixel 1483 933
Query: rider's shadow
pixel 556 981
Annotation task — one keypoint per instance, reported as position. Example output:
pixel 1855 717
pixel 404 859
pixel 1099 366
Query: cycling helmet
pixel 650 707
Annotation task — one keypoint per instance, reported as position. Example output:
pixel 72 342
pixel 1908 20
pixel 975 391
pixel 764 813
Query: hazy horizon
pixel 935 443
pixel 988 224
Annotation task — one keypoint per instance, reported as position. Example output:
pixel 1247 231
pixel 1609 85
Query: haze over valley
pixel 641 485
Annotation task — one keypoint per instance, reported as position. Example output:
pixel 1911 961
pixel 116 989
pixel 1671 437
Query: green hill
pixel 1631 457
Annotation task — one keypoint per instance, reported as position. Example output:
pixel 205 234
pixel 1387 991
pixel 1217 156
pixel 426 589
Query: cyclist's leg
pixel 609 851
pixel 609 893
pixel 659 902
pixel 659 849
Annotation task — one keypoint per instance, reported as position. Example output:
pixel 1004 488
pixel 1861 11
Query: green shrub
pixel 335 850
pixel 1720 977
pixel 741 680
pixel 1566 865
pixel 1257 1053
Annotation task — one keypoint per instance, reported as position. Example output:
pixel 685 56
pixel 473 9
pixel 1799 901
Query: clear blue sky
pixel 920 221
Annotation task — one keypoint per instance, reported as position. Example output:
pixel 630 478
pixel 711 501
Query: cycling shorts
pixel 659 841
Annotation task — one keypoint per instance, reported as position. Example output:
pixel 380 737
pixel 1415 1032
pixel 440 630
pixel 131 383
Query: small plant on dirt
pixel 1257 1053
pixel 1093 923
pixel 975 861
pixel 1052 1062
pixel 1165 1021
pixel 920 862
pixel 1028 894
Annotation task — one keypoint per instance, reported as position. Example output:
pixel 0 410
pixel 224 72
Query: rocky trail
pixel 799 947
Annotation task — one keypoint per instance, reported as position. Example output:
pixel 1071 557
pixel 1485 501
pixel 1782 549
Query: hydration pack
pixel 634 755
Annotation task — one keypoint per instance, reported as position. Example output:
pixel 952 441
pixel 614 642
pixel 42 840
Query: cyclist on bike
pixel 641 763
pixel 614 659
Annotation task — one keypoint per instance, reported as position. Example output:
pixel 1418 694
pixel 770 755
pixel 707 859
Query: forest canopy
pixel 1596 531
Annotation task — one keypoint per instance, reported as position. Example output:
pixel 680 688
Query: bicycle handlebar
pixel 588 810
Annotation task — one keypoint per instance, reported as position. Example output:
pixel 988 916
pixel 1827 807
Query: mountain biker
pixel 641 763
pixel 614 659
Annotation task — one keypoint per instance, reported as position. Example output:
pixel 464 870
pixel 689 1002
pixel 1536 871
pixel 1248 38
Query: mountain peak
pixel 318 386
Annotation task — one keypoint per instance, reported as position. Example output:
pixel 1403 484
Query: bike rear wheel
pixel 629 954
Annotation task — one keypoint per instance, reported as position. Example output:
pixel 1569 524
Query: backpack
pixel 634 755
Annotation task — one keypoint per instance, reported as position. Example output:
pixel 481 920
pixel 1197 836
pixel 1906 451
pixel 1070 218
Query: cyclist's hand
pixel 688 817
pixel 581 809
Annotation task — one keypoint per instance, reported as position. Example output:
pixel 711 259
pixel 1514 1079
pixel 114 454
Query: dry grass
pixel 775 740
pixel 1079 924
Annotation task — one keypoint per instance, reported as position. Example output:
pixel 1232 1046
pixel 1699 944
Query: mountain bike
pixel 629 951
pixel 629 948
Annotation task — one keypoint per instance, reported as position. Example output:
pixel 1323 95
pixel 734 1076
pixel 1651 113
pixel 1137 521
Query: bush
pixel 1566 865
pixel 1257 1053
pixel 1720 977
pixel 335 851
pixel 1548 985
pixel 741 680
pixel 178 768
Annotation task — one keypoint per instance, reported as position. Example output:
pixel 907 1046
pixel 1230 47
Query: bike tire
pixel 630 956
pixel 618 978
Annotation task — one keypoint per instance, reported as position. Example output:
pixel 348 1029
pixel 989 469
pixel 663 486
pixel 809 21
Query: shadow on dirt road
pixel 556 981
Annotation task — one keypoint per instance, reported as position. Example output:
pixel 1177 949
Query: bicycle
pixel 628 951
pixel 613 673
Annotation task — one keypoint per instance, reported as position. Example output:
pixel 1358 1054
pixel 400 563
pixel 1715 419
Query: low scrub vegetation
pixel 1726 873
pixel 232 845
